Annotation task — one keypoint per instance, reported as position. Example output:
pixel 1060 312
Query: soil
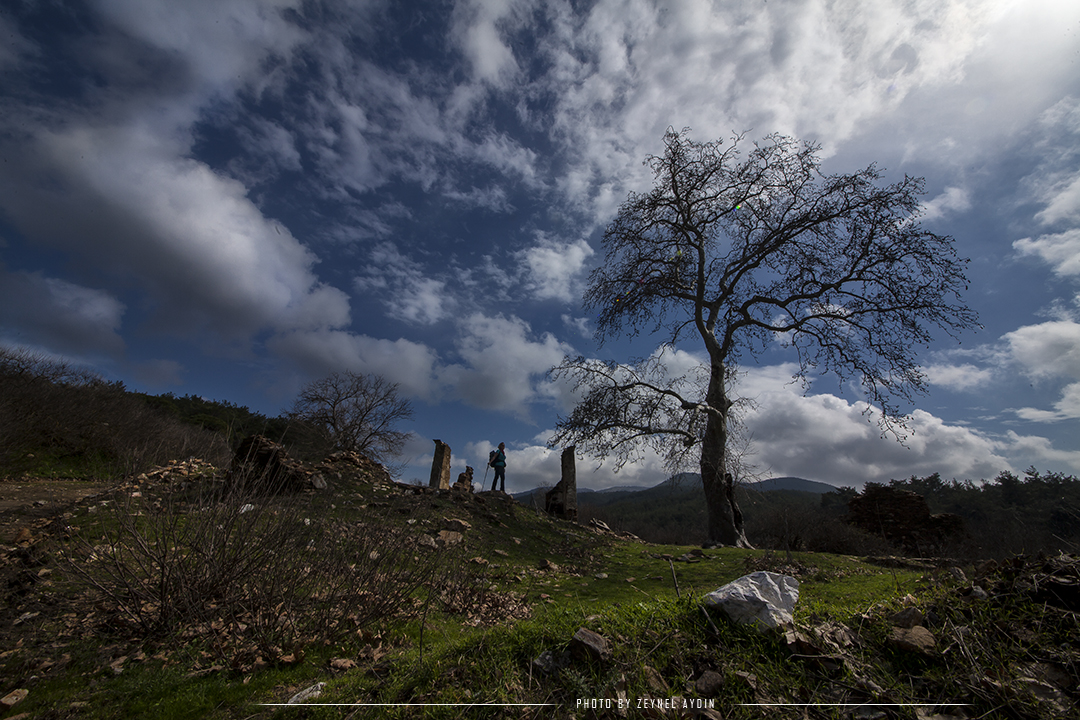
pixel 26 502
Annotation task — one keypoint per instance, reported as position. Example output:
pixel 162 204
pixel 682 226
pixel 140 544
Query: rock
pixel 655 681
pixel 551 663
pixel 915 639
pixel 456 525
pixel 448 538
pixel 763 598
pixel 464 481
pixel 546 564
pixel 958 575
pixel 13 698
pixel 907 618
pixel 342 664
pixel 309 694
pixel 709 684
pixel 261 465
pixel 587 645
pixel 428 542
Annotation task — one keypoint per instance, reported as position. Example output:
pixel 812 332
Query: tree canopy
pixel 736 255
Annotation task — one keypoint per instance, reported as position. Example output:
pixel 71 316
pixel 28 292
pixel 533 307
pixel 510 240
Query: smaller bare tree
pixel 357 411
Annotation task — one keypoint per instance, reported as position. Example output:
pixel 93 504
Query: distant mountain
pixel 680 484
pixel 791 483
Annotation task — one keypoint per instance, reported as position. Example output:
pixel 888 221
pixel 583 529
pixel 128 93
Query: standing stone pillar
pixel 440 467
pixel 569 483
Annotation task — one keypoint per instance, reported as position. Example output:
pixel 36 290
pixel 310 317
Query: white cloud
pixel 1047 350
pixel 952 200
pixel 321 352
pixel 553 268
pixel 626 70
pixel 61 315
pixel 958 377
pixel 223 41
pixel 193 236
pixel 826 438
pixel 405 291
pixel 476 32
pixel 503 367
pixel 1061 251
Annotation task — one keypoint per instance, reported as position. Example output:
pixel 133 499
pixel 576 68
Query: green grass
pixel 647 606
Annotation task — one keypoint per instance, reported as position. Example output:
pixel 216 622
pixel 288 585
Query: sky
pixel 231 198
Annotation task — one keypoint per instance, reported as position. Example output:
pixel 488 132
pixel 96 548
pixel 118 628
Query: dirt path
pixel 24 502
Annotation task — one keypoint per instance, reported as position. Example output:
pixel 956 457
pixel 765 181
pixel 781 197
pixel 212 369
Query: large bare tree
pixel 357 411
pixel 736 254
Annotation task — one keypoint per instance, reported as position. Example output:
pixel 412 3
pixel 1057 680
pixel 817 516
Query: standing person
pixel 498 461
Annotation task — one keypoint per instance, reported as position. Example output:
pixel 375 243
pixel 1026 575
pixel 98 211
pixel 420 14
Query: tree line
pixel 61 420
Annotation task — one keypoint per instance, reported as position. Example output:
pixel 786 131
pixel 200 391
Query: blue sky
pixel 230 198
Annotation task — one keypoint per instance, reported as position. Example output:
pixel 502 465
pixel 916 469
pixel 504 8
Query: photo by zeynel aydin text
pixel 540 359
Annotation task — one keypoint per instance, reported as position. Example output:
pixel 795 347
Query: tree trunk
pixel 725 522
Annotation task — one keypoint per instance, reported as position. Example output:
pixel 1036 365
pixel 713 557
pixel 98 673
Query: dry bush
pixel 251 574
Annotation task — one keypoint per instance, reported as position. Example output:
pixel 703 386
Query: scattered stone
pixel 908 618
pixel 309 694
pixel 428 542
pixel 551 662
pixel 262 465
pixel 342 664
pixel 709 684
pixel 546 564
pixel 763 598
pixel 916 639
pixel 464 481
pixel 448 538
pixel 601 576
pixel 588 645
pixel 958 575
pixel 479 560
pixel 456 525
pixel 501 552
pixel 13 698
pixel 655 681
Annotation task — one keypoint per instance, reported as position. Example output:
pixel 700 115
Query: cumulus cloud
pixel 406 292
pixel 504 366
pixel 958 377
pixel 1050 351
pixel 198 244
pixel 553 268
pixel 827 438
pixel 953 199
pixel 320 352
pixel 60 315
pixel 1061 251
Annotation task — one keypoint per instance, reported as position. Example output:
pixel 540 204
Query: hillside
pixel 409 599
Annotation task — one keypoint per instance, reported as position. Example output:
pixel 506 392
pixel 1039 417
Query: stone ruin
pixel 440 467
pixel 262 465
pixel 561 500
pixel 464 481
pixel 903 518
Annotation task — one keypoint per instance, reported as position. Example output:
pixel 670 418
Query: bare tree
pixel 357 411
pixel 738 255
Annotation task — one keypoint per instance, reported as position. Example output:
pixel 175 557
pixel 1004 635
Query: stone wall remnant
pixel 561 500
pixel 440 467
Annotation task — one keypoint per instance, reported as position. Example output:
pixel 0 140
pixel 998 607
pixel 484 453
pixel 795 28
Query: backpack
pixel 491 457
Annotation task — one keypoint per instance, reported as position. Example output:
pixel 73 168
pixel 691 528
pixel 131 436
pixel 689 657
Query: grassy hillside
pixel 173 597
